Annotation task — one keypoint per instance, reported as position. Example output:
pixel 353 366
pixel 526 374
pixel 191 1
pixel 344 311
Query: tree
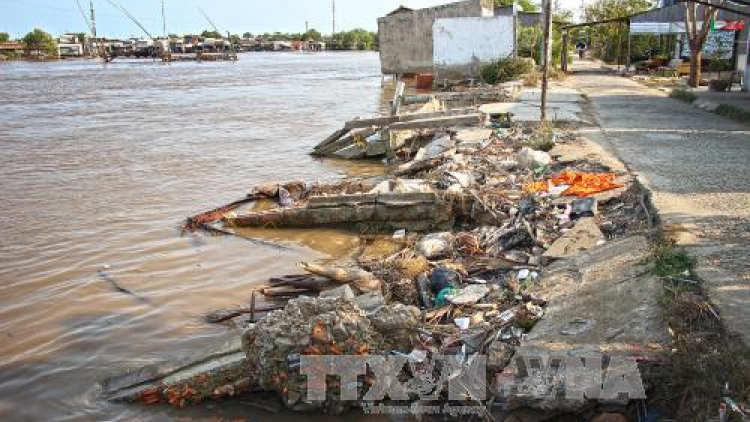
pixel 211 34
pixel 40 42
pixel 312 35
pixel 608 35
pixel 4 37
pixel 247 35
pixel 526 5
pixel 697 35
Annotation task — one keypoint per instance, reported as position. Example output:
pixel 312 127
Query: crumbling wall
pixel 462 45
pixel 406 42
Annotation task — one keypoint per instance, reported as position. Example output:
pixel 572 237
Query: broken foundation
pixel 470 247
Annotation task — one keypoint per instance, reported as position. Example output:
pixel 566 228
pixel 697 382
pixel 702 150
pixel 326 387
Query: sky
pixel 18 17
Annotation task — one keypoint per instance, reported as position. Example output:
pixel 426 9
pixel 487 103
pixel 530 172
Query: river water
pixel 98 167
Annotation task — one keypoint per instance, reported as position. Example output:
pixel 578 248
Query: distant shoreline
pixel 54 59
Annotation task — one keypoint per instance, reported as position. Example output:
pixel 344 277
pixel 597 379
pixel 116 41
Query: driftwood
pixel 283 292
pixel 359 278
pixel 222 315
pixel 110 279
pixel 303 281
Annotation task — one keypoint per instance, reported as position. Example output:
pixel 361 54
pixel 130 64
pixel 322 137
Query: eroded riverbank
pixel 99 164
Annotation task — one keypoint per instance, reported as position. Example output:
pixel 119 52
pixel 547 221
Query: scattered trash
pixel 581 184
pixel 443 278
pixel 586 207
pixel 454 247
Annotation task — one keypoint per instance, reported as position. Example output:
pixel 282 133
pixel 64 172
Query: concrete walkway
pixel 696 164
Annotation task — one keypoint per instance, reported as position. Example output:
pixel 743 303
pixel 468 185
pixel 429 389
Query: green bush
pixel 683 95
pixel 505 70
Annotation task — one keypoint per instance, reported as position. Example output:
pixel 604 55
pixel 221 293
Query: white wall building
pixel 462 45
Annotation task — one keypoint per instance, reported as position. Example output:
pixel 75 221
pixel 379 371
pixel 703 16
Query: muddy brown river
pixel 99 165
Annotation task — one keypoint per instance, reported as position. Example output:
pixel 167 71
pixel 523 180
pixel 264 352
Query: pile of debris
pixel 457 237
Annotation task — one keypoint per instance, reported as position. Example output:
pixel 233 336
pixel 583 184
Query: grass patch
pixel 733 112
pixel 683 94
pixel 671 262
pixel 542 139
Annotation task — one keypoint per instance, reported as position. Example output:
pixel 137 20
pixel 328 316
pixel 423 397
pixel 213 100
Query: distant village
pixel 39 44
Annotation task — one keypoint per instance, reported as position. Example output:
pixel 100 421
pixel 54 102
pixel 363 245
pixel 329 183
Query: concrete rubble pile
pixel 466 224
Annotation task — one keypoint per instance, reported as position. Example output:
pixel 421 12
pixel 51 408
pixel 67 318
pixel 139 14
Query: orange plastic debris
pixel 536 187
pixel 581 184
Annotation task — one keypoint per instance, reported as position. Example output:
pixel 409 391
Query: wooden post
pixel 619 46
pixel 546 55
pixel 564 52
pixel 627 59
pixel 397 98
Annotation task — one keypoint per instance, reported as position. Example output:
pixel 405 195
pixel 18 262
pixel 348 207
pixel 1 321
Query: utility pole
pixel 333 2
pixel 93 20
pixel 747 69
pixel 546 54
pixel 96 45
pixel 163 19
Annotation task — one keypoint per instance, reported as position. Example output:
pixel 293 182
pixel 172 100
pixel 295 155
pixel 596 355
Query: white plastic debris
pixel 469 295
pixel 435 245
pixel 462 323
pixel 532 159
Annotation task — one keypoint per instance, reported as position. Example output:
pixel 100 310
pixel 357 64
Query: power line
pixel 125 11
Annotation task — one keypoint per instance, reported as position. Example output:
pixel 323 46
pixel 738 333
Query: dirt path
pixel 697 166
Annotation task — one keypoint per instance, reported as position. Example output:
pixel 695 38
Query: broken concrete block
pixel 438 146
pixel 371 301
pixel 609 284
pixel 343 292
pixel 473 136
pixel 351 152
pixel 584 235
pixel 225 371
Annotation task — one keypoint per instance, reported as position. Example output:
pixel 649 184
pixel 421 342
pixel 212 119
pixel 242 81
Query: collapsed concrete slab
pixel 584 235
pixel 530 112
pixel 602 303
pixel 220 373
pixel 422 210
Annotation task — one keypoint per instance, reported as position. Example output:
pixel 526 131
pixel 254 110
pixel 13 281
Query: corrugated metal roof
pixel 676 13
pixel 11 45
